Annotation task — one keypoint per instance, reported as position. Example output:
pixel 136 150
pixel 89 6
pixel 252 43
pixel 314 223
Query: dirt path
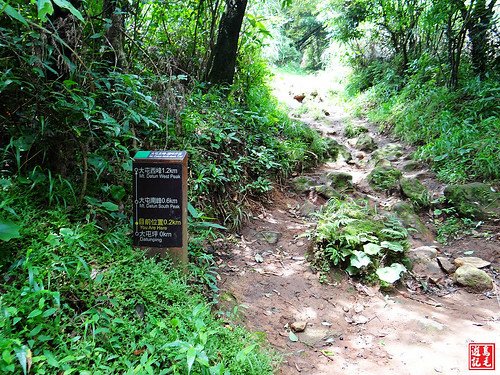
pixel 351 328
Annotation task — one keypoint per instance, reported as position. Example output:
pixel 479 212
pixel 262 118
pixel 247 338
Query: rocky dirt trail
pixel 341 326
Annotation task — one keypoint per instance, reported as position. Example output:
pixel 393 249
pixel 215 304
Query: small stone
pixel 360 319
pixel 412 165
pixel 472 277
pixel 258 258
pixel 358 308
pixel 425 263
pixel 298 326
pixel 472 261
pixel 446 265
pixel 422 253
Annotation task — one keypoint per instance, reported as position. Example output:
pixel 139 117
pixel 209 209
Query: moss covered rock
pixel 384 178
pixel 476 200
pixel 365 143
pixel 405 212
pixel 391 152
pixel 303 184
pixel 327 191
pixel 473 278
pixel 415 191
pixel 337 151
pixel 340 181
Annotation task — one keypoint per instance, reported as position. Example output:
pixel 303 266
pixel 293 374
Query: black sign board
pixel 159 183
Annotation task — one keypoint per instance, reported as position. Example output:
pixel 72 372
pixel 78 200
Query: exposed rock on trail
pixel 341 326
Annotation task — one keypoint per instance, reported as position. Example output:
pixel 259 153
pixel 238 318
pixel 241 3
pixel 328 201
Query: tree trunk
pixel 223 62
pixel 478 26
pixel 115 38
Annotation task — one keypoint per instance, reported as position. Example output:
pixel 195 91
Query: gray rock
pixel 365 143
pixel 422 253
pixel 425 263
pixel 472 261
pixel 446 265
pixel 473 278
pixel 475 200
pixel 270 237
pixel 415 191
pixel 340 181
pixel 307 208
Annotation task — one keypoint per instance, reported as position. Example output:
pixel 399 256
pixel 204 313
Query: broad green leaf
pixel 117 192
pixel 391 274
pixel 44 7
pixel 12 13
pixel 67 5
pixel 22 355
pixel 359 259
pixel 49 312
pixel 51 360
pixel 35 313
pixel 243 353
pixel 8 231
pixel 394 246
pixel 190 357
pixel 293 337
pixel 371 248
pixel 110 206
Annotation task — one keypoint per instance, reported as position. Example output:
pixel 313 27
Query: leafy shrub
pixel 79 299
pixel 352 236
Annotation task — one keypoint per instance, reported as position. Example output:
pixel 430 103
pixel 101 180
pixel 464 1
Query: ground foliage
pixel 353 236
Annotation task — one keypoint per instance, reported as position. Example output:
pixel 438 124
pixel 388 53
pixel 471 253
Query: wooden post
pixel 160 204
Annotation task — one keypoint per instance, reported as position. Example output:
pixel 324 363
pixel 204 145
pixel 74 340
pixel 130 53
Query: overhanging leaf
pixel 44 7
pixel 12 13
pixel 67 5
pixel 391 274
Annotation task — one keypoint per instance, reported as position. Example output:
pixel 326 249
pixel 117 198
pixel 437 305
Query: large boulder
pixel 384 178
pixel 415 191
pixel 473 278
pixel 476 200
pixel 365 143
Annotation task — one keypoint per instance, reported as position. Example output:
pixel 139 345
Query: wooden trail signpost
pixel 160 203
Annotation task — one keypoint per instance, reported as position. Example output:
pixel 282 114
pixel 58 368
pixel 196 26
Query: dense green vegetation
pixel 426 70
pixel 84 85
